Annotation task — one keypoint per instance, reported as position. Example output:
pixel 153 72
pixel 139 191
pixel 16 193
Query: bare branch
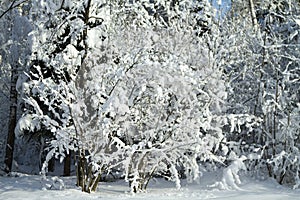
pixel 12 6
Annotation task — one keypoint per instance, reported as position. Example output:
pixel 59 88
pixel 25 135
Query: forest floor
pixel 22 187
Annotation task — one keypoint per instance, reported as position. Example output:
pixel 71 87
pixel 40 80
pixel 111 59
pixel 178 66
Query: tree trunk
pixel 67 165
pixel 12 122
pixel 253 15
pixel 51 165
pixel 81 170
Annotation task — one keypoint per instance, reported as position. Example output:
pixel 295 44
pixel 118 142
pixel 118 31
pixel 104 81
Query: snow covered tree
pixel 63 36
pixel 15 51
pixel 160 87
pixel 59 51
pixel 280 93
pixel 265 76
pixel 146 105
pixel 4 38
pixel 160 103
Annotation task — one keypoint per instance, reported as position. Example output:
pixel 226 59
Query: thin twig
pixel 12 6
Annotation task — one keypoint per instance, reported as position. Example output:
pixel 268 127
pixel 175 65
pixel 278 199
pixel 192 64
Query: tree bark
pixel 12 122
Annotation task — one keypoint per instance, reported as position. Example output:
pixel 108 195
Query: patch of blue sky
pixel 222 6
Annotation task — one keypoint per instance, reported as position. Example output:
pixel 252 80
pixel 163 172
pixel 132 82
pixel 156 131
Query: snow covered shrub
pixel 148 122
pixel 231 178
pixel 165 109
pixel 99 150
pixel 230 174
pixel 54 183
pixel 149 104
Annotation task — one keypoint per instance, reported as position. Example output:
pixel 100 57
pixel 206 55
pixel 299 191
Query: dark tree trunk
pixel 51 165
pixel 12 122
pixel 81 170
pixel 67 165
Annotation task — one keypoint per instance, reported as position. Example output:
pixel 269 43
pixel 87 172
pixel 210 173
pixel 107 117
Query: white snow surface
pixel 33 187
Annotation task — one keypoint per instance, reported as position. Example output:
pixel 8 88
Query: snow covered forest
pixel 133 90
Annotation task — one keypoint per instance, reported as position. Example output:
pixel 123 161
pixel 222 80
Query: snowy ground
pixel 32 187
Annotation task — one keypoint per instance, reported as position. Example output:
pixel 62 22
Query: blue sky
pixel 224 7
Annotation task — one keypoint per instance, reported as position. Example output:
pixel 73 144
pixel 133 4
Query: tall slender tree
pixel 17 53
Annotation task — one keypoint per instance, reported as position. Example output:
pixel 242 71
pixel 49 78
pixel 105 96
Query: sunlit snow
pixel 34 187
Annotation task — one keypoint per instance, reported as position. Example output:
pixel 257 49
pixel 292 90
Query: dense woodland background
pixel 137 89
